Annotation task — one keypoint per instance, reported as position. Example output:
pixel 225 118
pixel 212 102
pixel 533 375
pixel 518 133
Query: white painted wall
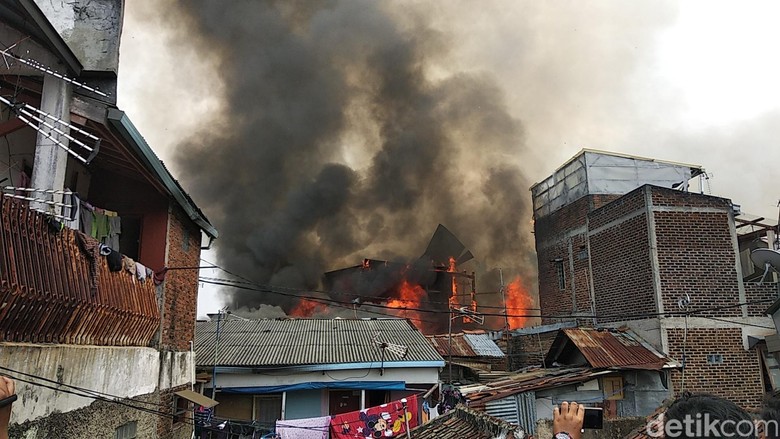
pixel 280 377
pixel 121 371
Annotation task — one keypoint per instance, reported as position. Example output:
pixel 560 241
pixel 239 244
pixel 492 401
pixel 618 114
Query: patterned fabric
pixel 386 420
pixel 310 428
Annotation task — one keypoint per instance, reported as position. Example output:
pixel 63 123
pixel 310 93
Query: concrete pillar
pixel 50 158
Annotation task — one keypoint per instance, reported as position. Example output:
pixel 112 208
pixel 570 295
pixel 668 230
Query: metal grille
pixel 45 294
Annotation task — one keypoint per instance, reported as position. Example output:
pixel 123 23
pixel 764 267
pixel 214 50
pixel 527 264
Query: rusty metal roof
pixel 532 379
pixel 606 349
pixel 466 345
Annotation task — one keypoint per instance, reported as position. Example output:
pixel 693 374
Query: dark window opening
pixel 561 274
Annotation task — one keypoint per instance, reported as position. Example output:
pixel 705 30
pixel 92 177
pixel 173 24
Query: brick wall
pixel 166 428
pixel 181 286
pixel 764 295
pixel 738 378
pixel 529 350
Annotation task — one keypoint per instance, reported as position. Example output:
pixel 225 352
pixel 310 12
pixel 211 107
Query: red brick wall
pixel 529 350
pixel 181 286
pixel 764 294
pixel 738 378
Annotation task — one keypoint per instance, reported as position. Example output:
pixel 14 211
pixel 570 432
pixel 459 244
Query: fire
pixel 518 301
pixel 304 309
pixel 454 296
pixel 409 296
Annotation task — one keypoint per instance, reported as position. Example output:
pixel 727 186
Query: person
pixel 707 416
pixel 770 416
pixel 567 420
pixel 7 389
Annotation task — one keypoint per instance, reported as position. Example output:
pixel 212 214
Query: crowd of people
pixel 689 416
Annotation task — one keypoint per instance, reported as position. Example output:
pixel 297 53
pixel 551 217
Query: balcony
pixel 47 294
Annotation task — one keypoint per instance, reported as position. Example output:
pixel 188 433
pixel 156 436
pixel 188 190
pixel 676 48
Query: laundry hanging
pixel 386 420
pixel 309 428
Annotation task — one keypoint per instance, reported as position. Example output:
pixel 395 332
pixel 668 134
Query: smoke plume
pixel 343 138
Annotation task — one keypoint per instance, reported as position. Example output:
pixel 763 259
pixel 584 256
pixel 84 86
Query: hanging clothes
pixel 114 259
pixel 91 249
pixel 114 229
pixel 386 420
pixel 100 226
pixel 310 428
pixel 87 218
pixel 140 271
pixel 73 213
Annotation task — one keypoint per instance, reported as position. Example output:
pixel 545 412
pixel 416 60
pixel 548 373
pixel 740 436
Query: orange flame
pixel 454 294
pixel 304 309
pixel 409 296
pixel 518 301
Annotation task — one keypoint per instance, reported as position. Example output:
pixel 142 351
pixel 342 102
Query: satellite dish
pixel 397 349
pixel 767 258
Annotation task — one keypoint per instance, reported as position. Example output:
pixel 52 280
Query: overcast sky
pixel 695 82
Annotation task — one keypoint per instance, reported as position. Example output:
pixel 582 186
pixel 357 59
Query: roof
pixel 119 120
pixel 606 349
pixel 463 422
pixel 695 169
pixel 466 345
pixel 274 343
pixel 197 398
pixel 528 380
pixel 26 16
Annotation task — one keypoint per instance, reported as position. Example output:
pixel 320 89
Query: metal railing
pixel 46 294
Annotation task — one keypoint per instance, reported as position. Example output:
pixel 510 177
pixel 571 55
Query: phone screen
pixel 594 418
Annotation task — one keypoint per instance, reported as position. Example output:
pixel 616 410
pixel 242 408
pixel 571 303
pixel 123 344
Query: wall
pixel 180 297
pixel 127 372
pixel 429 375
pixel 530 349
pixel 305 404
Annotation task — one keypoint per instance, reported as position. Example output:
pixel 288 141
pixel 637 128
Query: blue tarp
pixel 345 385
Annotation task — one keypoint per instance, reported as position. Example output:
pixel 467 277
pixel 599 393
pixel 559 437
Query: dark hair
pixel 771 412
pixel 704 407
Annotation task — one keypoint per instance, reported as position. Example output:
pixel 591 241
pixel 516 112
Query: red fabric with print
pixel 386 420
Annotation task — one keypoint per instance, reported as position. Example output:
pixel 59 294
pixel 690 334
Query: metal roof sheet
pixel 466 423
pixel 300 342
pixel 607 348
pixel 466 345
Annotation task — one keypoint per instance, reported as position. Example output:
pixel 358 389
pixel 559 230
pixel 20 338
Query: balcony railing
pixel 46 294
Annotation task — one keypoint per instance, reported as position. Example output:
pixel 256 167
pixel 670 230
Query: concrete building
pixel 272 369
pixel 78 332
pixel 621 240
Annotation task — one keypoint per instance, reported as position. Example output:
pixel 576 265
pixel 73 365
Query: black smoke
pixel 342 138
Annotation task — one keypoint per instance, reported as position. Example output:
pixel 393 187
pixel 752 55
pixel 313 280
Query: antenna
pixel 767 258
pixel 399 350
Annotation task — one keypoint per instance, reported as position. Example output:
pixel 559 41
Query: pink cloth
pixel 310 428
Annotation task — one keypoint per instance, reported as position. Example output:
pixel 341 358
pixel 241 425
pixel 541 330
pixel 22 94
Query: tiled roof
pixel 466 423
pixel 607 348
pixel 300 342
pixel 466 345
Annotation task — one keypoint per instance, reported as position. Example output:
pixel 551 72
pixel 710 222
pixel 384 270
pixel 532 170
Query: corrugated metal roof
pixel 607 348
pixel 466 345
pixel 298 342
pixel 533 379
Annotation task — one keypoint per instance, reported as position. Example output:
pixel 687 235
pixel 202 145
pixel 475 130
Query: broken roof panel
pixel 466 423
pixel 606 349
pixel 466 345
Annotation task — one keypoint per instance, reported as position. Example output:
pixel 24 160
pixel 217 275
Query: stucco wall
pixel 409 375
pixel 124 372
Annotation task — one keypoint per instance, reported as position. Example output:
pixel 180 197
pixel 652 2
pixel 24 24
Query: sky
pixel 691 81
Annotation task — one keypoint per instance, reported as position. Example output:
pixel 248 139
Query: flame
pixel 518 301
pixel 454 293
pixel 409 296
pixel 304 309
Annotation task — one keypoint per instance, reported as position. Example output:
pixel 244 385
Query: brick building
pixel 621 241
pixel 78 332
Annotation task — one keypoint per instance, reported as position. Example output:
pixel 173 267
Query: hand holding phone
pixel 594 418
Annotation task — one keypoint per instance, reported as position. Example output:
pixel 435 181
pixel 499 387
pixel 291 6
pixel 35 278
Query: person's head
pixel 707 416
pixel 770 414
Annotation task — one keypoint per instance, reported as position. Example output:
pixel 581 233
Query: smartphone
pixel 594 418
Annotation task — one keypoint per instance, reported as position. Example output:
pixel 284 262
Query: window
pixel 561 273
pixel 714 358
pixel 126 431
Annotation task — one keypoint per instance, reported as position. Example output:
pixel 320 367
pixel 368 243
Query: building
pixel 474 356
pixel 77 332
pixel 283 369
pixel 621 240
pixel 613 369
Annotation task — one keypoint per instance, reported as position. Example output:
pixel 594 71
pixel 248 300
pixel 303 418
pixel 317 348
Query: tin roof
pixel 466 345
pixel 531 379
pixel 301 342
pixel 466 423
pixel 606 349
